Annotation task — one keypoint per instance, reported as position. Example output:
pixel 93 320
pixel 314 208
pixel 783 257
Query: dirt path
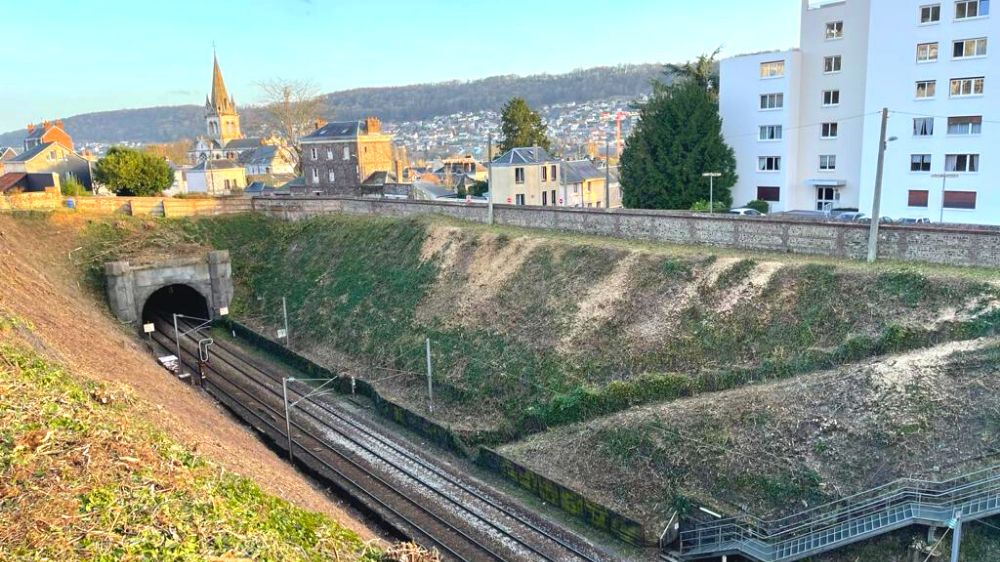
pixel 39 284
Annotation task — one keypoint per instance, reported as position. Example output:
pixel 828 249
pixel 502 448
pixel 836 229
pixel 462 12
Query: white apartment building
pixel 805 123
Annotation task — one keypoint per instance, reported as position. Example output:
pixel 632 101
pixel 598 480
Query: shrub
pixel 759 205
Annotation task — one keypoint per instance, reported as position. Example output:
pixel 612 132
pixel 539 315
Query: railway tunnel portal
pixel 199 286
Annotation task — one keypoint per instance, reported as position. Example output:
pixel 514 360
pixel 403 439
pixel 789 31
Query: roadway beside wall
pixel 949 245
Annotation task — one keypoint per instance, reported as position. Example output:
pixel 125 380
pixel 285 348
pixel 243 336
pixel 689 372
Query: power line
pixel 806 126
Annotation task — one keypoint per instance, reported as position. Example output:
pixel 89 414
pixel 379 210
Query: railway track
pixel 425 500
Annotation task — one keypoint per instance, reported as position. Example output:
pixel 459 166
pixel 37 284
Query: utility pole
pixel 956 537
pixel 489 178
pixel 288 422
pixel 430 379
pixel 284 312
pixel 877 196
pixel 607 172
pixel 944 182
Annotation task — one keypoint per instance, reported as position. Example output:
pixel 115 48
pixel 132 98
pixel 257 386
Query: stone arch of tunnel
pixel 195 286
pixel 176 298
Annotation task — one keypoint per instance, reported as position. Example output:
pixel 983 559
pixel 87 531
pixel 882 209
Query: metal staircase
pixel 851 519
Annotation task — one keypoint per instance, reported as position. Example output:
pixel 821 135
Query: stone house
pixel 338 158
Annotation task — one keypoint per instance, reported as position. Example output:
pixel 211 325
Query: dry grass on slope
pixel 779 447
pixel 38 283
pixel 84 476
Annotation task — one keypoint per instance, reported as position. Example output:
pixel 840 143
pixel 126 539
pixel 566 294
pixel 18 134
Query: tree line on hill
pixel 415 102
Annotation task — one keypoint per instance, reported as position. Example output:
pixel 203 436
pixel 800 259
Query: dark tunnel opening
pixel 174 299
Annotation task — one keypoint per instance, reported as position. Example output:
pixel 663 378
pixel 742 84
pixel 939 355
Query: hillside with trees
pixel 402 103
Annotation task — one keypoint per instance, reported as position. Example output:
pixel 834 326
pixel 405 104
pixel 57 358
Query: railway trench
pixel 416 494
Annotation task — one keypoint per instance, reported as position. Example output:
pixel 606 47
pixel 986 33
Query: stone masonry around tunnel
pixel 130 286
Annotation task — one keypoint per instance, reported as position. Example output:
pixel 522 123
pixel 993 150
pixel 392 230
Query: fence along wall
pixel 970 246
pixel 51 200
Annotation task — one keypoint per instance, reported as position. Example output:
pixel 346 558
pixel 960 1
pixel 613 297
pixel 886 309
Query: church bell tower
pixel 221 118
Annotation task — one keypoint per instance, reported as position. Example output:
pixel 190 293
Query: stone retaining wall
pixel 963 246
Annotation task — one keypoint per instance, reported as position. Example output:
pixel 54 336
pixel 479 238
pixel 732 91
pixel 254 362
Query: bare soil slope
pixel 776 448
pixel 39 284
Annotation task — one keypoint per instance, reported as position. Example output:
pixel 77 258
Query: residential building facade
pixel 338 158
pixel 46 132
pixel 805 123
pixel 52 158
pixel 584 185
pixel 526 176
pixel 216 178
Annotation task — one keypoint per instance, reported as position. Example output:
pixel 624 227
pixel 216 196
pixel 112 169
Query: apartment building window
pixel 768 193
pixel 832 64
pixel 545 198
pixel 930 13
pixel 769 163
pixel 772 101
pixel 960 200
pixel 315 175
pixel 829 130
pixel 972 125
pixel 518 175
pixel 831 98
pixel 314 153
pixel 920 162
pixel 519 199
pixel 828 162
pixel 917 198
pixel 347 153
pixel 834 30
pixel 770 132
pixel 773 69
pixel 962 87
pixel 331 176
pixel 927 52
pixel 969 48
pixel 545 173
pixel 926 89
pixel 972 9
pixel 923 126
pixel 329 153
pixel 967 163
pixel 554 178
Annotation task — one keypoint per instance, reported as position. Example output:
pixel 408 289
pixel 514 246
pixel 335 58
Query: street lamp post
pixel 944 181
pixel 711 189
pixel 489 179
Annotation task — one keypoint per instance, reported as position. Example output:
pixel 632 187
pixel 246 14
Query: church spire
pixel 220 102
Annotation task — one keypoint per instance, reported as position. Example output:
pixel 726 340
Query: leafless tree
pixel 292 107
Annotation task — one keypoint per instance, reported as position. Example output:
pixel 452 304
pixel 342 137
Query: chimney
pixel 374 125
pixel 59 123
pixel 46 125
pixel 31 128
pixel 319 123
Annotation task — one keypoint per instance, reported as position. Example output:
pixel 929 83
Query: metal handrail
pixel 883 500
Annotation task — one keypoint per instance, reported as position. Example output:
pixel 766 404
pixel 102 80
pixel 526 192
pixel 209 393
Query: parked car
pixel 746 212
pixel 851 216
pixel 921 220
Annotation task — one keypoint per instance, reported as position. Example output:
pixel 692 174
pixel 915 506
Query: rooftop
pixel 522 156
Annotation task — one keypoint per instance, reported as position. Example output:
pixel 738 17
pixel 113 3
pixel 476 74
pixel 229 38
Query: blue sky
pixel 75 56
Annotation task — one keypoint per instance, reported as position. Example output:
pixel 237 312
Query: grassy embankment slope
pixel 533 330
pixel 84 477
